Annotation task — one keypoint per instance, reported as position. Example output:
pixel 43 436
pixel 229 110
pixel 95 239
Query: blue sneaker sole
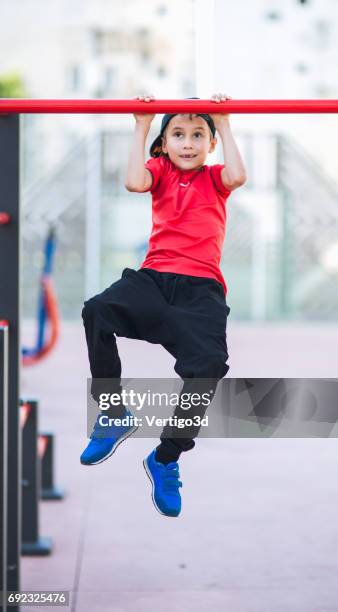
pixel 149 474
pixel 112 451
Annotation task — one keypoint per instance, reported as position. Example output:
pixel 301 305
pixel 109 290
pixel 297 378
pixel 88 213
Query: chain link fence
pixel 281 270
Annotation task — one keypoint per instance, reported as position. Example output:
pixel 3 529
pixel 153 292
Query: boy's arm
pixel 233 174
pixel 138 177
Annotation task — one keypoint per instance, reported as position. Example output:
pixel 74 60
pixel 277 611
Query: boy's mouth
pixel 187 156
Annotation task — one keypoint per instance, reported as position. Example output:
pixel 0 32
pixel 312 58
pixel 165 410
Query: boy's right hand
pixel 144 118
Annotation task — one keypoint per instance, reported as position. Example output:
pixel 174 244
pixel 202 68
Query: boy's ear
pixel 164 146
pixel 213 144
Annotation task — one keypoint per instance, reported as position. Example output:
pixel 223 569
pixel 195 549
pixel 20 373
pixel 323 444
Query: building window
pixel 161 71
pixel 145 55
pixel 143 44
pixel 322 90
pixel 106 42
pixel 109 78
pixel 161 10
pixel 74 77
pixel 273 16
pixel 94 42
pixel 301 68
pixel 322 33
pixel 143 33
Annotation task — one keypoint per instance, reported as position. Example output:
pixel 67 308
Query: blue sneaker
pixel 165 485
pixel 105 439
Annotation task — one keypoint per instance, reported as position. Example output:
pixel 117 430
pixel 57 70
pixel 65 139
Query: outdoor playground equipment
pixel 47 311
pixel 10 468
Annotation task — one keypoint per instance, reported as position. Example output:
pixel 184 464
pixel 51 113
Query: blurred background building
pixel 267 540
pixel 281 251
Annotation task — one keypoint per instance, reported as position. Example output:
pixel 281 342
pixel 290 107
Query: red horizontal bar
pixel 167 106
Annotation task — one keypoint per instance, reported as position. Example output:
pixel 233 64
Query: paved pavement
pixel 258 530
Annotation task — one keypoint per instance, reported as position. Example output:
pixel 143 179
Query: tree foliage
pixel 12 86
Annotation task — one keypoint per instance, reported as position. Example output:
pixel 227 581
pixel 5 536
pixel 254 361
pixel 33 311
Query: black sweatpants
pixel 187 315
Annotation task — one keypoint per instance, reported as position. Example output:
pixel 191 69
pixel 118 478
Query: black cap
pixel 156 147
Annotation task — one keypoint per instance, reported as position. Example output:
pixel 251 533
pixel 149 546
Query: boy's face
pixel 187 141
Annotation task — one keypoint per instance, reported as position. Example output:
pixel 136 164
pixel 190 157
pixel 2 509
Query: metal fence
pixel 287 273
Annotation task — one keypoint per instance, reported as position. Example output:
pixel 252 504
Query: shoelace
pixel 111 428
pixel 102 432
pixel 171 480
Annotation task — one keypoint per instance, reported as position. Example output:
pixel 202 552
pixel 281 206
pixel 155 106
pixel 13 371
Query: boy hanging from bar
pixel 177 298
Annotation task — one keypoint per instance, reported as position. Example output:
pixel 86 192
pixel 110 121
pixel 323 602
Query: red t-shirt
pixel 189 216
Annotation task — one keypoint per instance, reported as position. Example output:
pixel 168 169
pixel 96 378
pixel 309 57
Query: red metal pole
pixel 163 106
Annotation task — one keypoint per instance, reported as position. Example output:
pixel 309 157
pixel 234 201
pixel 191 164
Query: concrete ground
pixel 258 531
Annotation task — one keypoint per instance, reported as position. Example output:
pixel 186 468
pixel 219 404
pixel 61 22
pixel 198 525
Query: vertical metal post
pixel 285 269
pixel 10 311
pixel 283 217
pixel 49 491
pixel 32 543
pixel 3 458
pixel 258 274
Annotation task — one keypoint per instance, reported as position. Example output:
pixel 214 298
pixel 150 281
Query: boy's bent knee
pixel 90 307
pixel 206 366
pixel 214 366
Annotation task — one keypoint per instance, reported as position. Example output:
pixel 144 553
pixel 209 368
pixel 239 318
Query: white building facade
pixel 274 49
pixel 106 49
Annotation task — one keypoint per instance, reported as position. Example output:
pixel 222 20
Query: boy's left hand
pixel 219 118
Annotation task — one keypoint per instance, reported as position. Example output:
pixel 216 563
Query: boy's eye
pixel 180 134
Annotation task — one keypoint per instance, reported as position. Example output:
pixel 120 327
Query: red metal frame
pixel 54 327
pixel 10 106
